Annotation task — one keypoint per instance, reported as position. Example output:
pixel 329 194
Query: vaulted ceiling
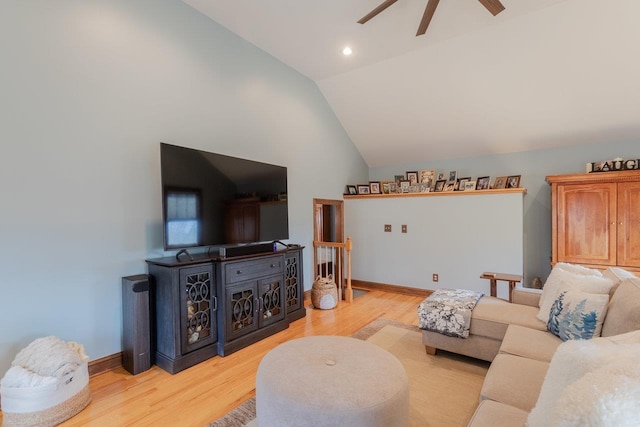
pixel 540 74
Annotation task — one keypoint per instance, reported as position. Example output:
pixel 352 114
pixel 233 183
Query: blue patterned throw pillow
pixel 577 315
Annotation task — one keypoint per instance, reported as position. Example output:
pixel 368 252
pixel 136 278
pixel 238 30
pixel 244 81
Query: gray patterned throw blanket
pixel 448 311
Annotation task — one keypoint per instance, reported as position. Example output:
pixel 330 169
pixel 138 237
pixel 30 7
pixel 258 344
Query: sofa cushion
pixel 572 361
pixel 594 284
pixel 514 381
pixel 623 313
pixel 495 414
pixel 491 317
pixel 530 343
pixel 576 314
pixel 526 296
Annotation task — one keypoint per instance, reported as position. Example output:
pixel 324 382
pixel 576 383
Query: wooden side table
pixel 494 277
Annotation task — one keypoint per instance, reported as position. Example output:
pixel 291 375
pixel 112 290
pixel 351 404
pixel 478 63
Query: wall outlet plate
pixel 387 228
pixel 435 277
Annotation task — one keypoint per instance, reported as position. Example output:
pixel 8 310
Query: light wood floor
pixel 209 390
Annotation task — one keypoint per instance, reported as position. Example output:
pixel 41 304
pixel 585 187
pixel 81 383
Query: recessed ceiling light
pixel 347 51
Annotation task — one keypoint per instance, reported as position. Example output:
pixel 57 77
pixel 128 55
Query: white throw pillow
pixel 617 275
pixel 593 284
pixel 572 361
pixel 578 269
pixel 576 314
pixel 564 267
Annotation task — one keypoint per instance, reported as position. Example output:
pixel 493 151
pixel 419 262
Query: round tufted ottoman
pixel 331 381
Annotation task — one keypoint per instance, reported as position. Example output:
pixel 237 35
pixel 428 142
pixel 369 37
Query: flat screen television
pixel 211 199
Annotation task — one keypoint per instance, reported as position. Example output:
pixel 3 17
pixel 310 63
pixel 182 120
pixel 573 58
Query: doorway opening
pixel 329 243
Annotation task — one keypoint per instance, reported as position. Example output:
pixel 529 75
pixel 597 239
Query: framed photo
pixel 412 177
pixel 374 187
pixel 470 186
pixel 363 189
pixel 462 182
pixel 450 186
pixel 404 185
pixel 440 176
pixel 351 190
pixel 513 181
pixel 398 178
pixel 452 176
pixel 482 183
pixel 439 185
pixel 386 188
pixel 500 182
pixel 393 188
pixel 424 187
pixel 428 177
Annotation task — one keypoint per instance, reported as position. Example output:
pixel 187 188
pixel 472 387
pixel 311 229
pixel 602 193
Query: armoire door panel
pixel 587 223
pixel 629 224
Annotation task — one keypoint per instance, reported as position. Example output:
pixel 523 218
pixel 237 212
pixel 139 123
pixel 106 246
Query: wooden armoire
pixel 596 219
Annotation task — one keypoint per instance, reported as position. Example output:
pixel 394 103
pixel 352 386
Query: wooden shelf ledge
pixel 439 194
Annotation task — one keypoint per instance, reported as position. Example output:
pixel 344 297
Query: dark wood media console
pixel 215 306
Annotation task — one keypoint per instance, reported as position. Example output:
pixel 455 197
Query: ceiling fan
pixel 493 6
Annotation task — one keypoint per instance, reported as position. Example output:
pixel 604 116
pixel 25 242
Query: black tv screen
pixel 211 199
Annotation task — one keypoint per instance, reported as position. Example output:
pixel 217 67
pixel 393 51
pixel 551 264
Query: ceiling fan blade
pixel 376 11
pixel 426 17
pixel 493 6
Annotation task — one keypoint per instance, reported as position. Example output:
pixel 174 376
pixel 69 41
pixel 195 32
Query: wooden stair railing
pixel 328 258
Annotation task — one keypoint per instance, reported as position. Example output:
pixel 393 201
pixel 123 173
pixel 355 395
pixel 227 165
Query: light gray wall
pixel 457 237
pixel 88 91
pixel 534 166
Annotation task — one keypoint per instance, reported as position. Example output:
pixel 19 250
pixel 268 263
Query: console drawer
pixel 245 270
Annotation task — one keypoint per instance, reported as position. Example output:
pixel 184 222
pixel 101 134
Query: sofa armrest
pixel 526 296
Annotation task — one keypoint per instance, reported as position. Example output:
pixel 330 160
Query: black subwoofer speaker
pixel 136 323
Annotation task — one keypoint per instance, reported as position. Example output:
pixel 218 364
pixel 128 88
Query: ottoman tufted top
pixel 332 375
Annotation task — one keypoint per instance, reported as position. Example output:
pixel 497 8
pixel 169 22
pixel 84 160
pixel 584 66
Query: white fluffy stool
pixel 331 381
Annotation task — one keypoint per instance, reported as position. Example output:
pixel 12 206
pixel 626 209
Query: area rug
pixel 444 389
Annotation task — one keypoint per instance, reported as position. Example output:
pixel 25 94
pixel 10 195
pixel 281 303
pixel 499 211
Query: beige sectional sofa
pixel 521 349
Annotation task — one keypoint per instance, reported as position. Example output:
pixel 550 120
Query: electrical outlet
pixel 404 228
pixel 435 277
pixel 387 228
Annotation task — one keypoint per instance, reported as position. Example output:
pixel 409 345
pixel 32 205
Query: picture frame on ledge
pixel 500 182
pixel 363 189
pixel 386 187
pixel 352 190
pixel 462 182
pixel 513 181
pixel 405 184
pixel 450 186
pixel 412 177
pixel 439 185
pixel 374 187
pixel 482 183
pixel 428 177
pixel 470 186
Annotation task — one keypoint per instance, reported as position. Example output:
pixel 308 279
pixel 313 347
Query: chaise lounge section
pixel 489 322
pixel 529 363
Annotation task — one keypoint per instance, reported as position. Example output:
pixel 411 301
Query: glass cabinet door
pixel 271 300
pixel 242 309
pixel 293 294
pixel 198 306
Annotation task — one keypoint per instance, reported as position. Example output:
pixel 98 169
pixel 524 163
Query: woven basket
pixel 324 293
pixel 49 405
